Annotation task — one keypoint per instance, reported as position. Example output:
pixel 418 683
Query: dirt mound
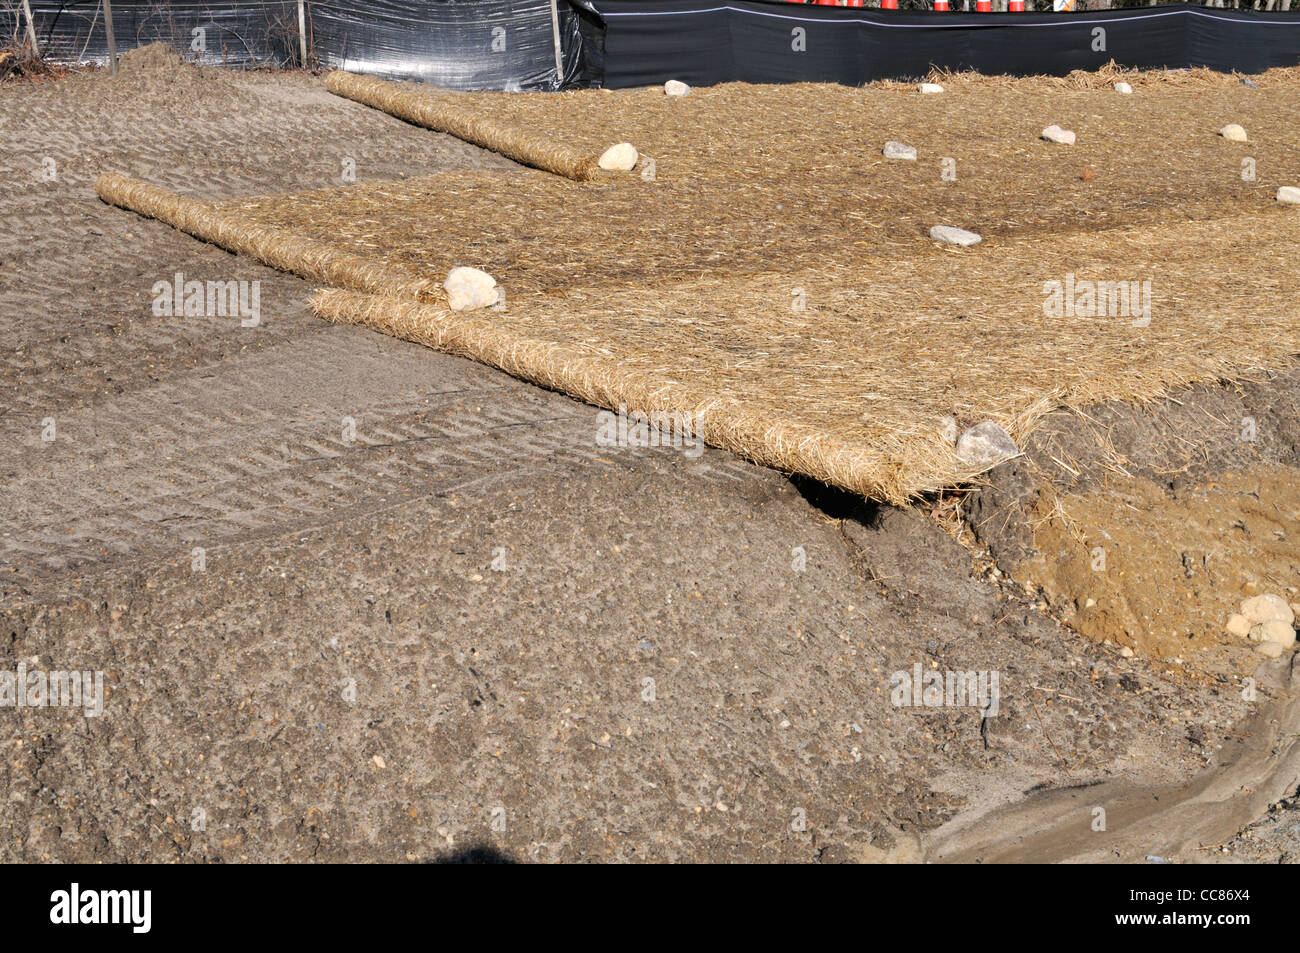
pixel 1148 530
pixel 1161 570
pixel 154 58
pixel 156 77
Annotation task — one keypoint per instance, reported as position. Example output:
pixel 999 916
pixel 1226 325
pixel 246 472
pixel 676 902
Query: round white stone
pixel 1275 630
pixel 469 288
pixel 898 150
pixel 619 158
pixel 986 445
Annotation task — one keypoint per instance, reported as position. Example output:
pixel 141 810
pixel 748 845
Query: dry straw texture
pixel 1200 78
pixel 278 248
pixel 756 179
pixel 856 389
pixel 518 143
pixel 675 294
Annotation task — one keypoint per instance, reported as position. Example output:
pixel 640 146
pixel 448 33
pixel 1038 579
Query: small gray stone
pixel 1056 134
pixel 954 236
pixel 1248 83
pixel 986 445
pixel 897 150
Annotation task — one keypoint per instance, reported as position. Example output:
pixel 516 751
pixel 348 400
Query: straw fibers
pixel 275 247
pixel 751 179
pixel 679 292
pixel 522 145
pixel 856 389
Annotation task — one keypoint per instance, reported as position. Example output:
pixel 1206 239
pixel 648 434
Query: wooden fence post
pixel 112 40
pixel 31 25
pixel 302 32
pixel 555 33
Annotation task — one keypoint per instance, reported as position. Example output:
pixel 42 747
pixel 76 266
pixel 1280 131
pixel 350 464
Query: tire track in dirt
pixel 206 456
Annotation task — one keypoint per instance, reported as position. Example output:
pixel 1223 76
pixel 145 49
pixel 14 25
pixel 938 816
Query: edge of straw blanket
pixel 513 142
pixel 720 421
pixel 276 247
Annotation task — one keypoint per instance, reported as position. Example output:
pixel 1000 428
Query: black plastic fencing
pixel 537 44
pixel 703 42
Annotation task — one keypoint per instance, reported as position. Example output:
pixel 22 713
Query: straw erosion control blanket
pixel 794 309
pixel 867 385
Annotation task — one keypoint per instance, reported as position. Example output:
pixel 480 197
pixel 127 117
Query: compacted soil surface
pixel 355 600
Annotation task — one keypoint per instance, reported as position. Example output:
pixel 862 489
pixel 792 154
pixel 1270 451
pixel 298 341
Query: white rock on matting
pixel 1124 89
pixel 1289 194
pixel 1056 134
pixel 1269 649
pixel 619 158
pixel 1233 133
pixel 897 150
pixel 675 87
pixel 954 236
pixel 986 445
pixel 930 88
pixel 469 288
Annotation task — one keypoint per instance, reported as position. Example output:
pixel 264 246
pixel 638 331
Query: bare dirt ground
pixel 473 629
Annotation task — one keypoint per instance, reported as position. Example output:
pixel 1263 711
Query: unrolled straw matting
pixel 276 247
pixel 762 136
pixel 675 294
pixel 752 179
pixel 857 389
pixel 519 143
